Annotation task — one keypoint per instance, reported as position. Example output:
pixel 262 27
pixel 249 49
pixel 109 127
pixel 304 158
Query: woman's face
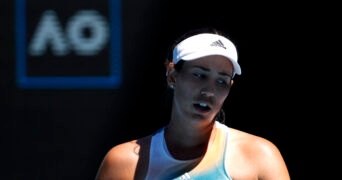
pixel 201 87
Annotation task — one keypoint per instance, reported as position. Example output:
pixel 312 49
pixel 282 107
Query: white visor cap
pixel 206 44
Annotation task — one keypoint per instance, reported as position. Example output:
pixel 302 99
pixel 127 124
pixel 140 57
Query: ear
pixel 231 82
pixel 171 75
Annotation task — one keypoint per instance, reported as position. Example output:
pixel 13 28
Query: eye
pixel 198 75
pixel 222 82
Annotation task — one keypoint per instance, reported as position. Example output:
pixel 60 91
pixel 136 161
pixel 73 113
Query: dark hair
pixel 169 96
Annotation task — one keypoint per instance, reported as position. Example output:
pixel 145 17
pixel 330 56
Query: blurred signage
pixel 68 44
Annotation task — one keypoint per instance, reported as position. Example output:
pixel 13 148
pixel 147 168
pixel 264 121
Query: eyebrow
pixel 208 70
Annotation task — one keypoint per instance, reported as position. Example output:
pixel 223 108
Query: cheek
pixel 186 90
pixel 186 85
pixel 221 96
pixel 221 100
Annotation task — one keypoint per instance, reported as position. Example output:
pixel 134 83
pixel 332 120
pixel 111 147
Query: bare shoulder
pixel 252 143
pixel 121 161
pixel 260 155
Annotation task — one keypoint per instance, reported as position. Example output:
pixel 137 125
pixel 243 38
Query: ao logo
pixel 50 32
pixel 81 50
pixel 57 48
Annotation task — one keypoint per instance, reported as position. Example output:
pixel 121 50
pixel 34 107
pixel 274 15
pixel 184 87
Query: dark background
pixel 64 134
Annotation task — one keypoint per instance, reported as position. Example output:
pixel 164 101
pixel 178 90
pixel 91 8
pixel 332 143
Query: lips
pixel 203 107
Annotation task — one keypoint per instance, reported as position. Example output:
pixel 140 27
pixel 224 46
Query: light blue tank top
pixel 162 166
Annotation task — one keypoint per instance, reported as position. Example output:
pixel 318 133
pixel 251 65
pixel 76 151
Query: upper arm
pixel 119 163
pixel 254 157
pixel 270 162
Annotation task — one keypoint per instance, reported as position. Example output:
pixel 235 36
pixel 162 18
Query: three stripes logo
pixel 218 43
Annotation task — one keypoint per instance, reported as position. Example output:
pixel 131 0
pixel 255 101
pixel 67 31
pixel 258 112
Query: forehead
pixel 214 62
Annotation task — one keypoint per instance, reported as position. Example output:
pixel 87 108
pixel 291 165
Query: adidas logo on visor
pixel 218 43
pixel 205 44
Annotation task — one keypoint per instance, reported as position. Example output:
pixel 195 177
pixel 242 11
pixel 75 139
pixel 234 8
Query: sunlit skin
pixel 203 81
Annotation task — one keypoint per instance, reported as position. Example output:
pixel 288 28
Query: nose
pixel 207 93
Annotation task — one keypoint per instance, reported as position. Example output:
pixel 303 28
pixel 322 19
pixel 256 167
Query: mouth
pixel 202 107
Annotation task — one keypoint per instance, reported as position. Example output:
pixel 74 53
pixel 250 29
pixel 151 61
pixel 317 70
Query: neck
pixel 188 143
